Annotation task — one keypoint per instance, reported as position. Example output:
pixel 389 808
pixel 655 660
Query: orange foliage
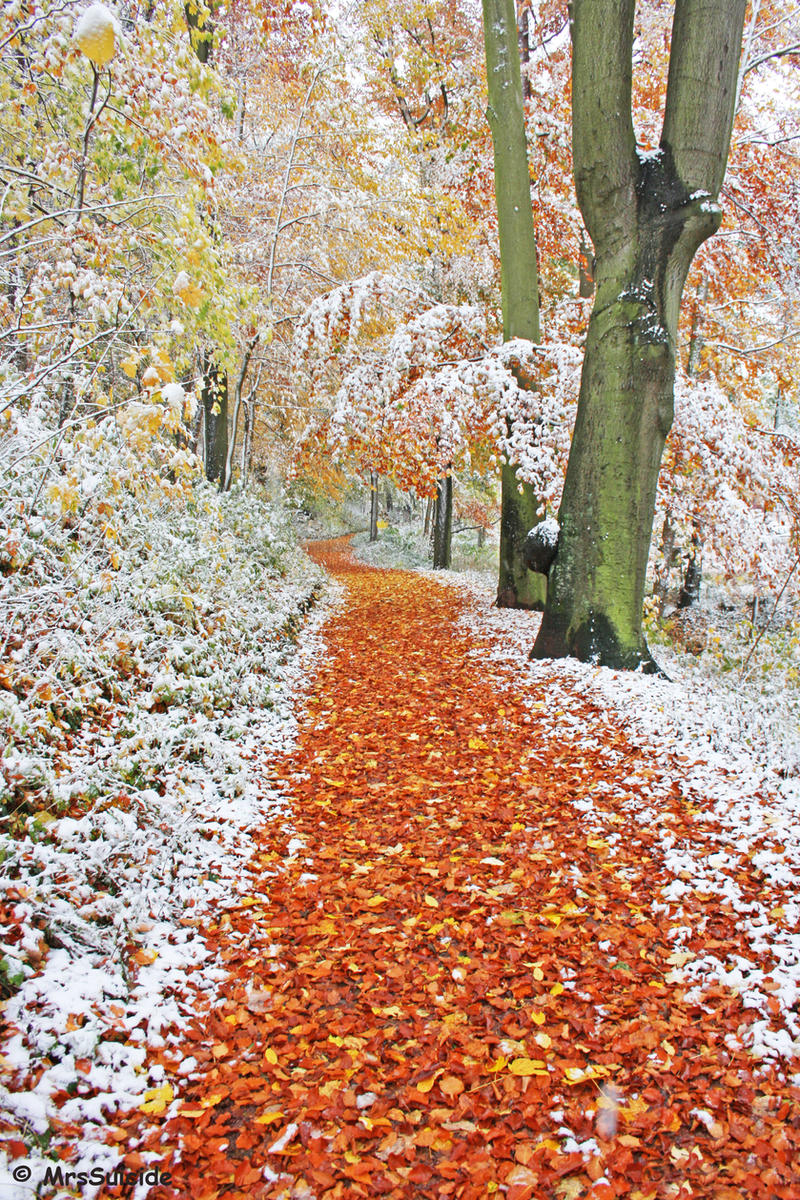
pixel 422 996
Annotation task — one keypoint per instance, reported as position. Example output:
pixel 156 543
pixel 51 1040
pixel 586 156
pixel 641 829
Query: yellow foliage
pixel 527 1066
pixel 157 1099
pixel 94 33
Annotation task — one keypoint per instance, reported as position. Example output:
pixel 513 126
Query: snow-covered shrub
pixel 149 628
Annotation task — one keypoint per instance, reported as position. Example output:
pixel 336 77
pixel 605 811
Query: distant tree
pixel 646 213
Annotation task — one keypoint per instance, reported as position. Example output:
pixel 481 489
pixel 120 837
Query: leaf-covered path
pixel 453 987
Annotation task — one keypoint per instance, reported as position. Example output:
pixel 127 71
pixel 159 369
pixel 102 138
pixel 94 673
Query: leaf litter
pixel 466 969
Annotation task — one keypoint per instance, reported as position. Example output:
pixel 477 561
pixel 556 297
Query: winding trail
pixel 451 988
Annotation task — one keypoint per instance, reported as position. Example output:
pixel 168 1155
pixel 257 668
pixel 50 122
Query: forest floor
pixel 509 942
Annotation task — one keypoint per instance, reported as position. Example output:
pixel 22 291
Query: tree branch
pixel 602 127
pixel 701 89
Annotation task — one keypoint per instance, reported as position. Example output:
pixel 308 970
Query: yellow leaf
pixel 325 928
pixel 431 901
pixel 538 1018
pixel 425 1085
pixel 597 843
pixel 94 33
pixel 157 1099
pixel 476 743
pixel 270 1056
pixel 351 1156
pixel 192 1112
pixel 581 1074
pixel 556 989
pixel 549 1144
pixel 268 1118
pixel 633 1108
pixel 212 1100
pixel 129 365
pixel 527 1066
pixel 570 1189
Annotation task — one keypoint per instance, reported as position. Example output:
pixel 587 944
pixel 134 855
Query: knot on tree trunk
pixel 541 545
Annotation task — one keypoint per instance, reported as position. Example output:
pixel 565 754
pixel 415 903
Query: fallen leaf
pixel 527 1066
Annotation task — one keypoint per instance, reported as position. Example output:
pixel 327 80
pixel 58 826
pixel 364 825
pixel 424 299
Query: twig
pixel 768 622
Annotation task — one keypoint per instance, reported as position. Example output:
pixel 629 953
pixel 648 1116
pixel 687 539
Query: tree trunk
pixel 373 506
pixel 517 587
pixel 524 45
pixel 690 589
pixel 201 28
pixel 227 476
pixel 443 523
pixel 244 464
pixel 693 576
pixel 696 334
pixel 585 269
pixel 426 528
pixel 661 585
pixel 519 512
pixel 646 216
pixel 215 407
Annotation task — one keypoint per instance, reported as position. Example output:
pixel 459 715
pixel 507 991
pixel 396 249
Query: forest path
pixel 451 987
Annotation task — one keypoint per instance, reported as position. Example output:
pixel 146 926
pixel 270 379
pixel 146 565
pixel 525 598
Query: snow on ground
pixel 130 822
pixel 735 776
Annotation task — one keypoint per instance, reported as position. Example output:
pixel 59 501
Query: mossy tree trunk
pixel 646 216
pixel 517 587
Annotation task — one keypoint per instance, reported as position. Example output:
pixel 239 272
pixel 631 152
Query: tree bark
pixel 215 406
pixel 227 477
pixel 519 511
pixel 524 45
pixel 517 587
pixel 693 575
pixel 373 506
pixel 646 216
pixel 201 28
pixel 585 269
pixel 443 523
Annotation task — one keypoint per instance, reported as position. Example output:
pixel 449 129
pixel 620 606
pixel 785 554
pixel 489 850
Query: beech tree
pixel 646 213
pixel 517 587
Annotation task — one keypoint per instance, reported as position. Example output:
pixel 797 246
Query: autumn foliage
pixel 451 989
